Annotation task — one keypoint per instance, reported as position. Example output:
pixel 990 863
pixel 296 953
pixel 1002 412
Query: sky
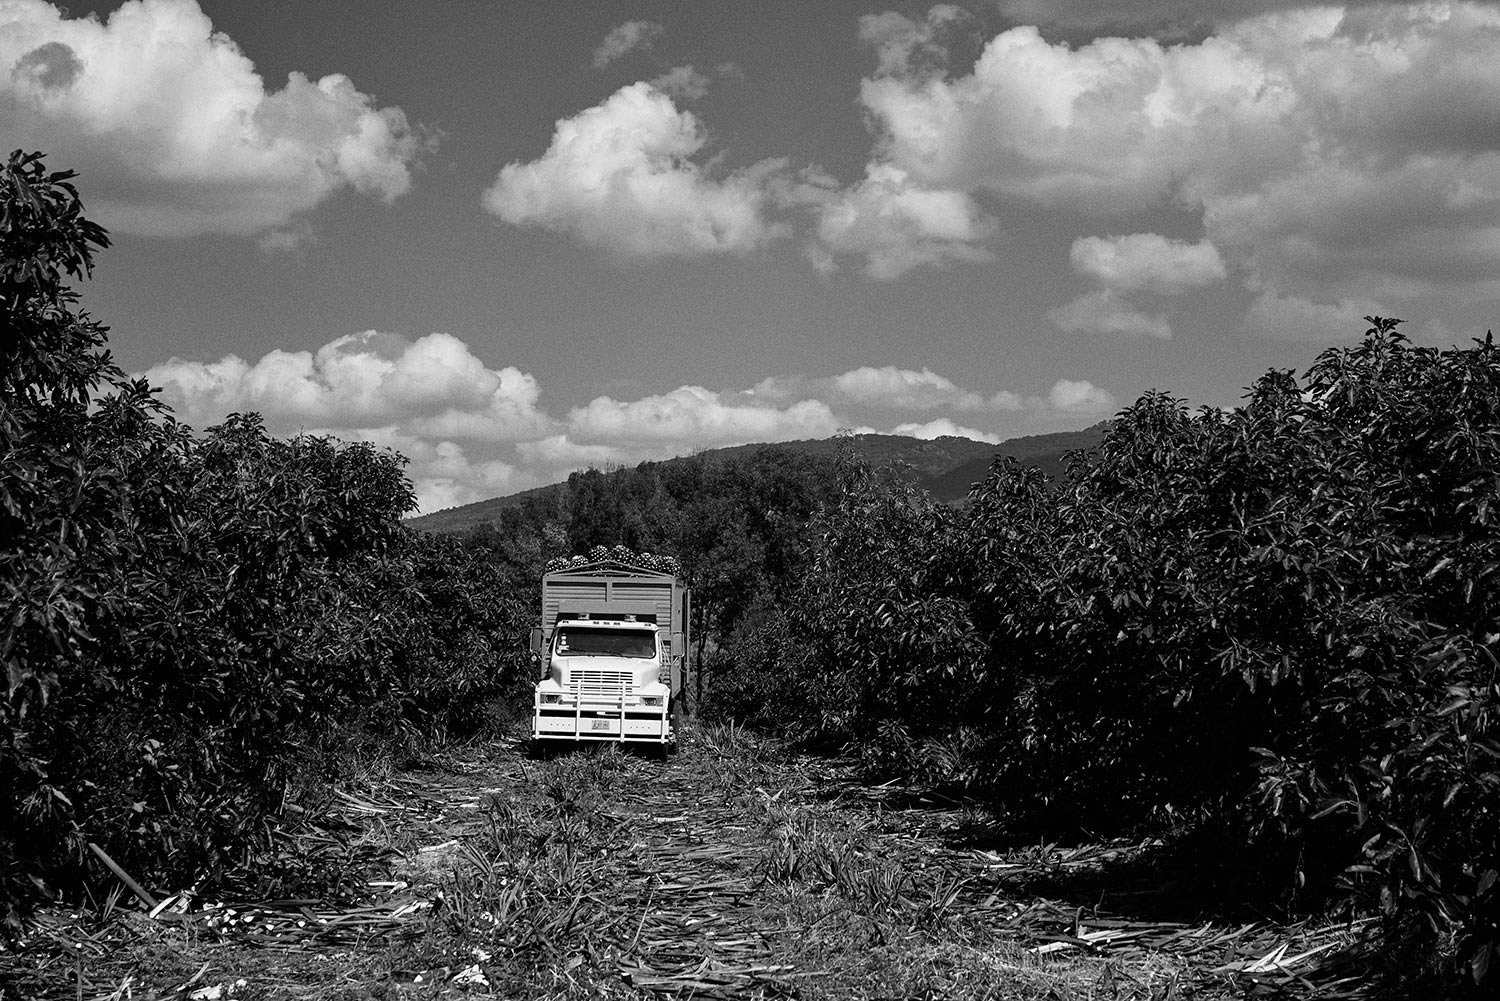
pixel 515 239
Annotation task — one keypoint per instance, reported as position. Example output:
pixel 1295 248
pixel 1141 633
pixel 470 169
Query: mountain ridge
pixel 945 466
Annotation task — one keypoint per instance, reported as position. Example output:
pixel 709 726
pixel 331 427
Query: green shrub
pixel 757 677
pixel 189 616
pixel 883 613
pixel 1271 631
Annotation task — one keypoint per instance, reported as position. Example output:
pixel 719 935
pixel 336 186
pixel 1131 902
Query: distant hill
pixel 945 467
pixel 1048 452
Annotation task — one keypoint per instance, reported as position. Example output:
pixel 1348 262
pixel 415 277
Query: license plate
pixel 600 724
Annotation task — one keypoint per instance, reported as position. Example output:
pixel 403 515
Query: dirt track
pixel 733 870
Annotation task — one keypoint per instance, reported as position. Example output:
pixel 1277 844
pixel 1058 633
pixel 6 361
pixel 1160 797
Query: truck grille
pixel 610 684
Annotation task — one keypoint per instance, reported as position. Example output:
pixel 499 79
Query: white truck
pixel 614 646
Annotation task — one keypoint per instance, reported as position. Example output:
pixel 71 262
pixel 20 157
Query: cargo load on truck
pixel 613 648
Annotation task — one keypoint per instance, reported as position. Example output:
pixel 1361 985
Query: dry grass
pixel 734 870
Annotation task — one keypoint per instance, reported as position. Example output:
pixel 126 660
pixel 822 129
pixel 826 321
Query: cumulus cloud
pixel 630 176
pixel 682 82
pixel 431 399
pixel 692 413
pixel 1138 263
pixel 176 131
pixel 904 389
pixel 905 46
pixel 1079 396
pixel 433 386
pixel 1159 18
pixel 1332 153
pixel 1105 312
pixel 473 430
pixel 620 176
pixel 443 473
pixel 624 39
pixel 871 389
pixel 560 453
pixel 897 225
pixel 943 428
pixel 1147 262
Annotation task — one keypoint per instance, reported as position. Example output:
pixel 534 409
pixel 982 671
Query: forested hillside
pixel 738 524
pixel 945 467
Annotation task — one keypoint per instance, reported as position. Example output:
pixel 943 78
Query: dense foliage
pixel 1270 633
pixel 191 621
pixel 1272 627
pixel 737 528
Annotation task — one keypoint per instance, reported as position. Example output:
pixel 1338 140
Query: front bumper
pixel 615 721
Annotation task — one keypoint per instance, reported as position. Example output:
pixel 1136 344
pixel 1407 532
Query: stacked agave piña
pixel 616 554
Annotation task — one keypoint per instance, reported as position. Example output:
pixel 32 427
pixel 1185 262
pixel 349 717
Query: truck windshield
pixel 605 643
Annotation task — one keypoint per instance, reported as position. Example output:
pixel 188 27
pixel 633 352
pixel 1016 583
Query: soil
pixel 734 869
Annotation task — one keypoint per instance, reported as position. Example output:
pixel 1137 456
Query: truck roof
pixel 611 623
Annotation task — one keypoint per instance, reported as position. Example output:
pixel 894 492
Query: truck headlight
pixel 551 697
pixel 650 700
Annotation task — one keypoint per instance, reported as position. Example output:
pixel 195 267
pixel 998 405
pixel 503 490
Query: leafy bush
pixel 189 617
pixel 1274 626
pixel 758 676
pixel 883 609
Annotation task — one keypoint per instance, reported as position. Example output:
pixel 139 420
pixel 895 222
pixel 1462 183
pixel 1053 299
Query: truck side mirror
pixel 536 641
pixel 679 661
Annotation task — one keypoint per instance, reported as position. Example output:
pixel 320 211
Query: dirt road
pixel 734 870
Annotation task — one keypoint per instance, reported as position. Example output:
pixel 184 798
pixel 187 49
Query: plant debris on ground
pixel 736 869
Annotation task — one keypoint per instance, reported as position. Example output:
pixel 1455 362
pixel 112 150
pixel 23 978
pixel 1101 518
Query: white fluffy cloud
pixel 1105 312
pixel 624 39
pixel 1170 18
pixel 176 132
pixel 693 413
pixel 942 428
pixel 887 389
pixel 904 389
pixel 1147 262
pixel 682 82
pixel 471 430
pixel 443 473
pixel 432 386
pixel 620 176
pixel 903 45
pixel 897 225
pixel 1138 263
pixel 1333 153
pixel 1079 396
